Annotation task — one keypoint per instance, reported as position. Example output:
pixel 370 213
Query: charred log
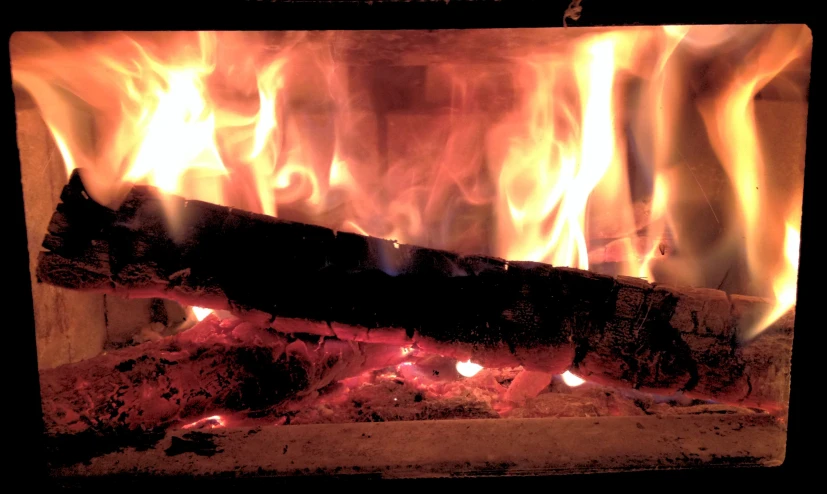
pixel 117 397
pixel 309 279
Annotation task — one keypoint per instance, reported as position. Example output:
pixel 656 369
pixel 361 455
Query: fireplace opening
pixel 413 252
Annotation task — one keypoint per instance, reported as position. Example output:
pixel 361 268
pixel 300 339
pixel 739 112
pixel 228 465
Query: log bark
pixel 112 400
pixel 308 279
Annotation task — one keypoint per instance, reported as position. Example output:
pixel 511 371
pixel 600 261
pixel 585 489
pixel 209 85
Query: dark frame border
pixel 23 398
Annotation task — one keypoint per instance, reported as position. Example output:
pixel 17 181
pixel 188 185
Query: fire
pixel 285 128
pixel 201 313
pixel 175 132
pixel 659 116
pixel 659 211
pixel 548 175
pixel 785 285
pixel 213 421
pixel 571 380
pixel 64 150
pixel 468 368
pixel 732 127
pixel 785 282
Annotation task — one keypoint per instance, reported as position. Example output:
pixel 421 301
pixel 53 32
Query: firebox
pixel 413 250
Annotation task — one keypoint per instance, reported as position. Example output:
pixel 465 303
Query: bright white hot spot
pixel 468 368
pixel 572 380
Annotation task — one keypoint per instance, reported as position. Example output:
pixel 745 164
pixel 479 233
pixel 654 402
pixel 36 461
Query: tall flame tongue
pixel 273 124
pixel 548 173
pixel 770 230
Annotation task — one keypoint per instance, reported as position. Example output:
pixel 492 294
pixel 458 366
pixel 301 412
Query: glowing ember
pixel 213 422
pixel 468 368
pixel 201 313
pixel 571 380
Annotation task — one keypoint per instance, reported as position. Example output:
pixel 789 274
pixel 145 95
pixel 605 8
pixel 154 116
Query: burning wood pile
pixel 314 308
pixel 558 253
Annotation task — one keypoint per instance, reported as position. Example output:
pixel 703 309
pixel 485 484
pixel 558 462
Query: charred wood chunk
pixel 214 367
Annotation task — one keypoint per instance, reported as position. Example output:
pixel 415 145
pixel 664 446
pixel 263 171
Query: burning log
pixel 309 279
pixel 217 365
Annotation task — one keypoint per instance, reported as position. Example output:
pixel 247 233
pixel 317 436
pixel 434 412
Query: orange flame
pixel 731 124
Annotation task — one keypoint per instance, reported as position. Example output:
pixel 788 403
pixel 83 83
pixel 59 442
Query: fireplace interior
pixel 413 253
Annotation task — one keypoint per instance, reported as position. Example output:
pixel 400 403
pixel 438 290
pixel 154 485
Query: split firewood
pixel 303 278
pixel 216 366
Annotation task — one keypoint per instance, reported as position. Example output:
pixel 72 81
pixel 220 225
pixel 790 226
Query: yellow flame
pixel 660 114
pixel 65 153
pixel 571 380
pixel 732 128
pixel 660 201
pixel 177 133
pixel 551 173
pixel 266 140
pixel 201 313
pixel 785 284
pixel 786 280
pixel 468 368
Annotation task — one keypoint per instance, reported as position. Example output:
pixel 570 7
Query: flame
pixel 214 421
pixel 535 160
pixel 660 114
pixel 550 173
pixel 732 128
pixel 176 131
pixel 785 281
pixel 571 380
pixel 65 153
pixel 660 202
pixel 201 313
pixel 468 368
pixel 158 123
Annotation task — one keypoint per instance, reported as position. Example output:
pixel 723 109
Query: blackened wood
pixel 305 278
